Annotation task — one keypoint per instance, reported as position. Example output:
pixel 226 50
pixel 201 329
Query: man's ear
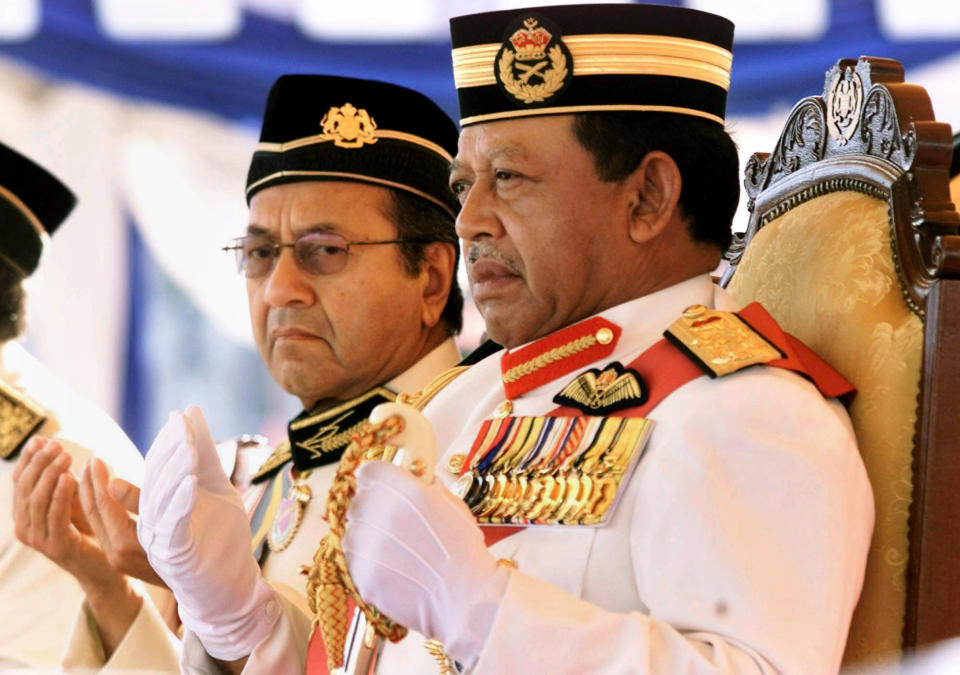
pixel 654 192
pixel 436 275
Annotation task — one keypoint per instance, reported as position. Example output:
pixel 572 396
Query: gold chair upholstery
pixel 853 247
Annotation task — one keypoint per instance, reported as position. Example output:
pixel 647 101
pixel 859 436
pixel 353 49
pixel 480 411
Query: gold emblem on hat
pixel 348 126
pixel 526 55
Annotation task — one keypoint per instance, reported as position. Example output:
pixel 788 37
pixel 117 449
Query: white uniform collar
pixel 442 357
pixel 646 318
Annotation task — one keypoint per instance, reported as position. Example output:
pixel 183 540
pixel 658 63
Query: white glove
pixel 197 537
pixel 416 553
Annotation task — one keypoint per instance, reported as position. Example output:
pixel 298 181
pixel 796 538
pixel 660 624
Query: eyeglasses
pixel 314 252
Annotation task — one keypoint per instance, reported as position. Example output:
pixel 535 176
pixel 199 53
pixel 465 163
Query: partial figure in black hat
pixel 47 434
pixel 349 257
pixel 632 497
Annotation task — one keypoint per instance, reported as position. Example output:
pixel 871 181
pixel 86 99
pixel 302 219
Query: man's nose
pixel 287 284
pixel 478 215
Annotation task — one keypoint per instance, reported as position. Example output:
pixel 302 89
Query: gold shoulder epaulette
pixel 20 416
pixel 719 342
pixel 277 458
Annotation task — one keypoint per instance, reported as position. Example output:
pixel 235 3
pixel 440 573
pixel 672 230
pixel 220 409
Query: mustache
pixel 482 249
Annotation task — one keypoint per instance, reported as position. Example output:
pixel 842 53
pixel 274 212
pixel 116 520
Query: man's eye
pixel 322 250
pixel 503 175
pixel 459 187
pixel 259 252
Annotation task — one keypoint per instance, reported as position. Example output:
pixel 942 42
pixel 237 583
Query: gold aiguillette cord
pixel 328 581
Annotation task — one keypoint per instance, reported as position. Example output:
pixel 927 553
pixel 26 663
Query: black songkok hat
pixel 587 58
pixel 33 203
pixel 322 127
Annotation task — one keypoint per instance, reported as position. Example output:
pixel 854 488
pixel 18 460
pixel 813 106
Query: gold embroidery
pixel 326 439
pixel 348 126
pixel 286 146
pixel 279 457
pixel 611 55
pixel 435 647
pixel 364 177
pixel 721 341
pixel 521 89
pixel 572 109
pixel 596 392
pixel 19 417
pixel 545 359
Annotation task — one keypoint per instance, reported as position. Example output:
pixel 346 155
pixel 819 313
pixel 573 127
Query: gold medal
pixel 550 470
pixel 573 490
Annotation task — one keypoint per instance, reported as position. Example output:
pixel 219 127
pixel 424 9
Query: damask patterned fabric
pixel 825 271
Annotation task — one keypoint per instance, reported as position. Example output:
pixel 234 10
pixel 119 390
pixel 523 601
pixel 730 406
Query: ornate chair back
pixel 853 245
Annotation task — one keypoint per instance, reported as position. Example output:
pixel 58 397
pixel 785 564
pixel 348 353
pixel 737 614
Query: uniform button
pixel 604 336
pixel 503 409
pixel 694 311
pixel 455 463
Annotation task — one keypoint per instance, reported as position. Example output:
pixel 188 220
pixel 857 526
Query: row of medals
pixel 540 478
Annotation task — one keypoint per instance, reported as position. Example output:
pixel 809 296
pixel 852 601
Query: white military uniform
pixel 40 600
pixel 739 545
pixel 284 651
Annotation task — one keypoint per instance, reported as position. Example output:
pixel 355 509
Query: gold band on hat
pixel 600 107
pixel 361 177
pixel 377 133
pixel 24 209
pixel 612 54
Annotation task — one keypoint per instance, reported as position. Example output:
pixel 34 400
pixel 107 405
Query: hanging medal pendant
pixel 289 514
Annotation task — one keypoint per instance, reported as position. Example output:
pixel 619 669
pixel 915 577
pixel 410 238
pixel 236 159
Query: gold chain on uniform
pixel 328 579
pixel 545 359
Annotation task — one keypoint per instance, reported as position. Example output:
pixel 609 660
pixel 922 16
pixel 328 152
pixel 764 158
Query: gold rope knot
pixel 328 580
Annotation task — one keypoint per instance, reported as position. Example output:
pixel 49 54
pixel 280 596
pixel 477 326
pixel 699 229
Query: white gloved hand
pixel 415 552
pixel 197 537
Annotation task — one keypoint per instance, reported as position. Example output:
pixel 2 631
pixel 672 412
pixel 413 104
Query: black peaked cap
pixel 33 203
pixel 324 127
pixel 582 58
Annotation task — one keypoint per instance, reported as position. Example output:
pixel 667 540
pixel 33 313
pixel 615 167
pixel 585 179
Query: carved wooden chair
pixel 853 246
